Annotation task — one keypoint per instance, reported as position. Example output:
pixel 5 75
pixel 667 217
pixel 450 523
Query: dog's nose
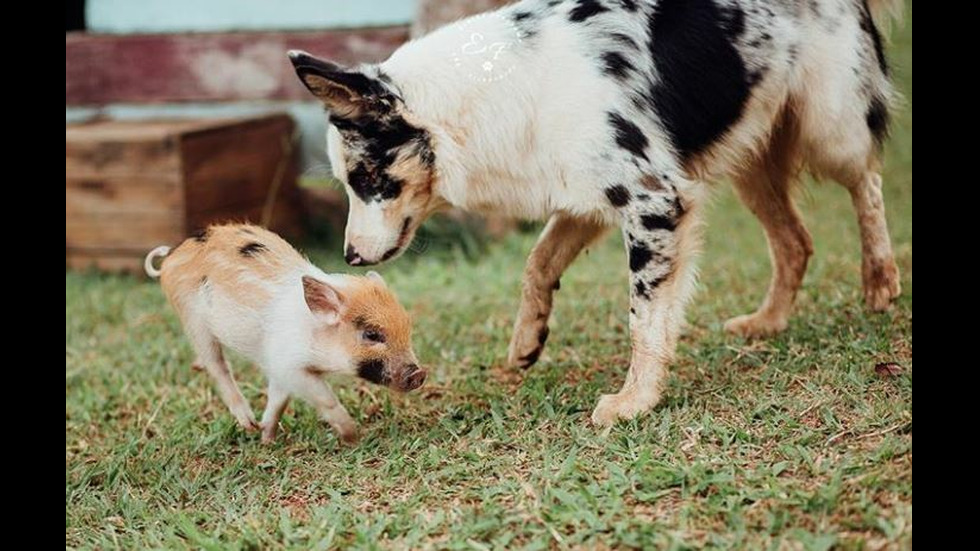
pixel 352 257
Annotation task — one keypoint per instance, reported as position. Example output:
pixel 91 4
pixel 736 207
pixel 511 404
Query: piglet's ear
pixel 376 277
pixel 322 299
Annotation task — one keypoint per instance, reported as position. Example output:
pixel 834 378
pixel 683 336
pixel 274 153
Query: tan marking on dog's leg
pixel 277 400
pixel 656 319
pixel 879 272
pixel 560 243
pixel 766 191
pixel 319 394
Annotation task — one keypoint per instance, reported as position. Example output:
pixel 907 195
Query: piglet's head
pixel 361 329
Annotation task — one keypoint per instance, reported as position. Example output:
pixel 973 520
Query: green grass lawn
pixel 790 442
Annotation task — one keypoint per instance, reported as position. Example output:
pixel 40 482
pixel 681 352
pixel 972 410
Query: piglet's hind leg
pixel 210 358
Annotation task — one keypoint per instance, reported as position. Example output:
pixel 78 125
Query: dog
pixel 244 288
pixel 598 113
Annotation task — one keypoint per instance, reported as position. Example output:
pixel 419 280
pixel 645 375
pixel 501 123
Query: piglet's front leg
pixel 310 387
pixel 278 399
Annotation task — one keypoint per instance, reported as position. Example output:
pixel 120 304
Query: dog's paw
pixel 527 343
pixel 624 405
pixel 754 325
pixel 881 285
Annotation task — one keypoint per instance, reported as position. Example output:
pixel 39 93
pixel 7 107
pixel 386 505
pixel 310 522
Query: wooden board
pixel 100 131
pixel 131 231
pixel 91 159
pixel 132 186
pixel 221 170
pixel 104 261
pixel 122 195
pixel 101 69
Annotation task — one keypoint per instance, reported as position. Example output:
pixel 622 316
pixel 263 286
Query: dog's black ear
pixel 347 93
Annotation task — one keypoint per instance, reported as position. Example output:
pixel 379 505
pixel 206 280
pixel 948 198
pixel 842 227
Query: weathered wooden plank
pixel 93 159
pixel 105 261
pixel 133 231
pixel 222 169
pixel 130 187
pixel 112 195
pixel 103 69
pixel 181 16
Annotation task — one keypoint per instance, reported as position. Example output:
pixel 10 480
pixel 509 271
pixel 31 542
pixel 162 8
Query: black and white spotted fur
pixel 617 112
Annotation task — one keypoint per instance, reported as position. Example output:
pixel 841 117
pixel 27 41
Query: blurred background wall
pixel 217 58
pixel 146 59
pixel 173 112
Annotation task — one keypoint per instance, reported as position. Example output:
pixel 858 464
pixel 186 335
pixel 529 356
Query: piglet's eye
pixel 373 335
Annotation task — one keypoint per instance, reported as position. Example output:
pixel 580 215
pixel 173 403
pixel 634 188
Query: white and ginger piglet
pixel 244 288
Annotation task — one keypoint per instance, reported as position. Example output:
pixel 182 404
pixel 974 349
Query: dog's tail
pixel 160 252
pixel 885 11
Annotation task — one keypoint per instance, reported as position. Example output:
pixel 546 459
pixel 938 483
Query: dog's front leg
pixel 660 234
pixel 560 242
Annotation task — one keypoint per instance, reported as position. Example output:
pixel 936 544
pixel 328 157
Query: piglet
pixel 244 288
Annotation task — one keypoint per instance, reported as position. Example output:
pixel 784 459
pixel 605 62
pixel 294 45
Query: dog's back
pixel 692 86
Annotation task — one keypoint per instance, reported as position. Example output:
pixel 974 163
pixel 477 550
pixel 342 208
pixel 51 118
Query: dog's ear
pixel 347 93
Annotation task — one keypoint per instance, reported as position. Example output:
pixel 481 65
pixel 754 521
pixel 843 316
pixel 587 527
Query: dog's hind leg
pixel 850 154
pixel 878 269
pixel 560 243
pixel 765 187
pixel 844 112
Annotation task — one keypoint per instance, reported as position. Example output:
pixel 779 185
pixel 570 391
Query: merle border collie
pixel 595 113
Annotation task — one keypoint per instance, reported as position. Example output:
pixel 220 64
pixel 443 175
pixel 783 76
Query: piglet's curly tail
pixel 159 252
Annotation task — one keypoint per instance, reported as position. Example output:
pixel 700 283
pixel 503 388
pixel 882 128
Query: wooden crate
pixel 131 186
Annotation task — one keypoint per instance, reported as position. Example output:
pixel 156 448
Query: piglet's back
pixel 241 260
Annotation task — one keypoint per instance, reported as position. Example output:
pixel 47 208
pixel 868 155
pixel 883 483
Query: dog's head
pixel 382 155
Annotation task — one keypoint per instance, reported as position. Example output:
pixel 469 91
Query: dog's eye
pixel 373 335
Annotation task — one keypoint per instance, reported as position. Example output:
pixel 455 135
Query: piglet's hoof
pixel 269 433
pixel 246 420
pixel 349 437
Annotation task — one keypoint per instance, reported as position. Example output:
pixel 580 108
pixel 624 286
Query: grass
pixel 792 442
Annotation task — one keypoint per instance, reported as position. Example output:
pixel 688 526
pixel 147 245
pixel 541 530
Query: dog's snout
pixel 352 257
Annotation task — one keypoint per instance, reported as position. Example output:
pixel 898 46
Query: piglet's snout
pixel 412 377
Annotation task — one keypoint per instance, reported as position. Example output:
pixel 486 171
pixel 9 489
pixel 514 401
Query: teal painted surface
pixel 164 16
